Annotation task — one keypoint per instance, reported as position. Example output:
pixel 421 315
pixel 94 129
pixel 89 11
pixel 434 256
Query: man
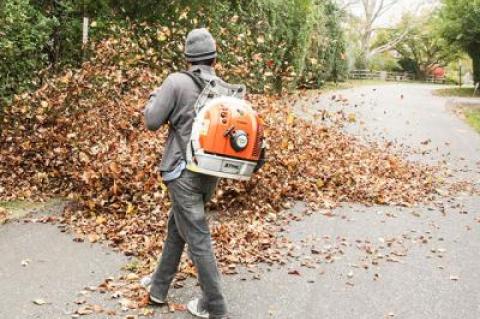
pixel 173 103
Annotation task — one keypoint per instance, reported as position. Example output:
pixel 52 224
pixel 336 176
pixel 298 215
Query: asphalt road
pixel 427 260
pixel 38 263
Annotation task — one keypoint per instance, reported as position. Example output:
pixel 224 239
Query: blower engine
pixel 227 134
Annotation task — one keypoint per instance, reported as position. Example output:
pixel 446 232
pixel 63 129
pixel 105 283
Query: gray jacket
pixel 173 103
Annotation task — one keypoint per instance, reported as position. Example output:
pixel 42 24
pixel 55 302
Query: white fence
pixel 435 79
pixel 390 76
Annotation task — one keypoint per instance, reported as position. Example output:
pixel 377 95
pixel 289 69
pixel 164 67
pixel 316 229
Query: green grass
pixel 18 205
pixel 350 84
pixel 461 92
pixel 21 208
pixel 473 118
pixel 331 86
pixel 132 266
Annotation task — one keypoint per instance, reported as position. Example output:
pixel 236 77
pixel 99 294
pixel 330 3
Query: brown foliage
pixel 82 135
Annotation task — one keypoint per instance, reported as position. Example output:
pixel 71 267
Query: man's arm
pixel 160 105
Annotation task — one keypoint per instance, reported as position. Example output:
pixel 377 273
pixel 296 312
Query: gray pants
pixel 187 224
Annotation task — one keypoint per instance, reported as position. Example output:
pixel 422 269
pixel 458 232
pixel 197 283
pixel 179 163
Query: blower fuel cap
pixel 239 140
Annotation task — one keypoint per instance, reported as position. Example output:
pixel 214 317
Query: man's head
pixel 200 47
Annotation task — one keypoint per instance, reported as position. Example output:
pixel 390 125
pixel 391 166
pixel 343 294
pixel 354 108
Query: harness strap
pixel 199 82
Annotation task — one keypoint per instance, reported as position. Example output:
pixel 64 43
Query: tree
pixel 461 25
pixel 421 48
pixel 365 25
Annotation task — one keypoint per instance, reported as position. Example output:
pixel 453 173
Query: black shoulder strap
pixel 196 79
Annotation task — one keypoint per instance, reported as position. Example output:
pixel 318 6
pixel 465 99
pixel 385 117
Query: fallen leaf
pixel 132 276
pixel 294 272
pixel 173 307
pixel 40 302
pixel 80 301
pixel 25 262
pixel 84 310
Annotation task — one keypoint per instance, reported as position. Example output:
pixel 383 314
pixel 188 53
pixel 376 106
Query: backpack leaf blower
pixel 227 134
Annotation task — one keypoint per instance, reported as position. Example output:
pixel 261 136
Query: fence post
pixel 460 75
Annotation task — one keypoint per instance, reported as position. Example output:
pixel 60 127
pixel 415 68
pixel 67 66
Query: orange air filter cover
pixel 220 122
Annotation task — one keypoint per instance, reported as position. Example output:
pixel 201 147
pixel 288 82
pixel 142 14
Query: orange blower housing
pixel 224 125
pixel 227 139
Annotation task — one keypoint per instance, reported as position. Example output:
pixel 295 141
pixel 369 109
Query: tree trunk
pixel 365 49
pixel 475 55
pixel 361 63
pixel 419 73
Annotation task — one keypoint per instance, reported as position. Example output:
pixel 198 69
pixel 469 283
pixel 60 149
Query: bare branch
pixel 388 46
pixel 383 7
pixel 344 4
pixel 373 10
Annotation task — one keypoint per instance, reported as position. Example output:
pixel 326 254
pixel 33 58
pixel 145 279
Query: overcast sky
pixel 394 14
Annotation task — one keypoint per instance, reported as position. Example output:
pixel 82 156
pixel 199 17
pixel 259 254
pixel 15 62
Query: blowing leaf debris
pixel 81 136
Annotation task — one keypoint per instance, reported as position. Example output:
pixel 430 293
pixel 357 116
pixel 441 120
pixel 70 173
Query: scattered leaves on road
pixel 81 135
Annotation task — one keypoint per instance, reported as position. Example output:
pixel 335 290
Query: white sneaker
pixel 146 281
pixel 194 308
pixel 157 301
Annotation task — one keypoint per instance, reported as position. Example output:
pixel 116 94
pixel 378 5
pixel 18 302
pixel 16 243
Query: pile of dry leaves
pixel 81 135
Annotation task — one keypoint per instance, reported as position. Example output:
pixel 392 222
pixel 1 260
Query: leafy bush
pixel 325 59
pixel 460 25
pixel 268 44
pixel 24 35
pixel 386 61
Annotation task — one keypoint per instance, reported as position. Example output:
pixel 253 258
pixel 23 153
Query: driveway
pixel 359 262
